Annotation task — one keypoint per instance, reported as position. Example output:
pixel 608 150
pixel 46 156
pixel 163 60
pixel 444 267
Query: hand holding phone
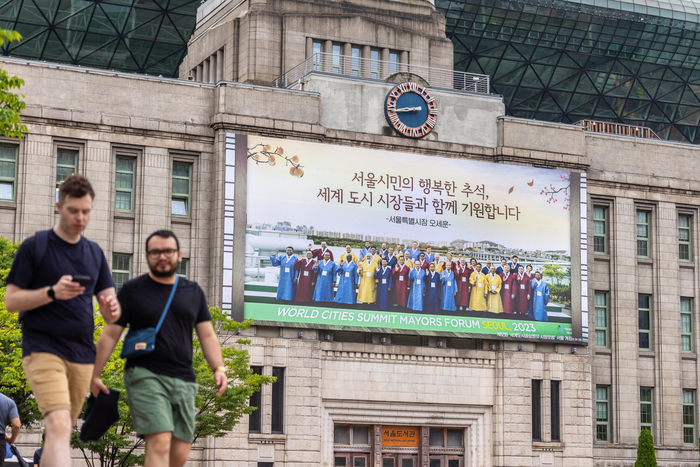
pixel 82 280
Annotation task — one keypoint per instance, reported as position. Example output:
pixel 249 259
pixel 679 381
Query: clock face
pixel 411 110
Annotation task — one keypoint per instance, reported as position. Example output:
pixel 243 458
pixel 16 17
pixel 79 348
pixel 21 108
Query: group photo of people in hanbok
pixel 407 278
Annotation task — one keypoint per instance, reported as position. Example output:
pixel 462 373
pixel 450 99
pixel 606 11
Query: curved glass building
pixel 143 36
pixel 629 61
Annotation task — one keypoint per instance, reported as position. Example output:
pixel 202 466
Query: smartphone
pixel 82 280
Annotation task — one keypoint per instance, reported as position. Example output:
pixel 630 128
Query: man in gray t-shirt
pixel 8 416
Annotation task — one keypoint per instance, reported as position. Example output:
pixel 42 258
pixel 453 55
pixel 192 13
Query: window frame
pixel 688 334
pixel 650 403
pixel 255 400
pixel 648 226
pixel 641 331
pixel 76 167
pixel 600 423
pixel 375 73
pixel 316 54
pixel 186 263
pixel 688 243
pixel 132 191
pixel 277 411
pixel 337 58
pixel 555 410
pixel 394 64
pixel 604 235
pixel 128 271
pixel 13 180
pixel 604 330
pixel 536 407
pixel 355 61
pixel 690 405
pixel 173 196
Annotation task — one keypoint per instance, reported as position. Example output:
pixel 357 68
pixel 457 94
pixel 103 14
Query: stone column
pixel 205 71
pixel 219 66
pixel 212 69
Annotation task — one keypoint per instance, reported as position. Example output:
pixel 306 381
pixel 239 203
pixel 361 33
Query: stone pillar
pixel 384 69
pixel 366 55
pixel 205 71
pixel 219 66
pixel 212 69
pixel 347 64
pixel 327 60
pixel 376 449
pixel 198 73
pixel 403 59
pixel 309 47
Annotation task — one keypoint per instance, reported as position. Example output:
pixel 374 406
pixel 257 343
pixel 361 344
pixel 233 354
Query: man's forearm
pixel 211 348
pixel 17 299
pixel 105 346
pixel 15 433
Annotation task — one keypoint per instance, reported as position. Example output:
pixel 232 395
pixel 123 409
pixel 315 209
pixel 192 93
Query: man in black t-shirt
pixel 58 323
pixel 161 385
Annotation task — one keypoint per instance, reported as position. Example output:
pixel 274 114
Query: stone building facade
pixel 469 402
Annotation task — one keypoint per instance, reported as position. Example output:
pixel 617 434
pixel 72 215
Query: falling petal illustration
pixel 511 190
pixel 531 183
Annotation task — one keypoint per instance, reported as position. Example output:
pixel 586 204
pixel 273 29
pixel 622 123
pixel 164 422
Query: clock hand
pixel 409 109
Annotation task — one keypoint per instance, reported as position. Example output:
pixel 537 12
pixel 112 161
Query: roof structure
pixel 629 61
pixel 142 36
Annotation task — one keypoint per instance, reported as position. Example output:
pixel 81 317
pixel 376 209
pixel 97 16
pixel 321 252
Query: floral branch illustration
pixel 263 154
pixel 554 194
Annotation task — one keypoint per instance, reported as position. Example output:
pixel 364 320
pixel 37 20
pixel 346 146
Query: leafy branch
pixel 263 154
pixel 552 193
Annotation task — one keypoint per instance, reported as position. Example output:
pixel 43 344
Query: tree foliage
pixel 11 104
pixel 12 380
pixel 646 455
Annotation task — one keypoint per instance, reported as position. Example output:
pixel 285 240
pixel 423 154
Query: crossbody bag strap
pixel 167 305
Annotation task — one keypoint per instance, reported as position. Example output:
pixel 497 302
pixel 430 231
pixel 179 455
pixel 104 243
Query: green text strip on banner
pixel 499 326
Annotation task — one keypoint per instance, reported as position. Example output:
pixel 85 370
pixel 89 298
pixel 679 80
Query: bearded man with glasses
pixel 161 385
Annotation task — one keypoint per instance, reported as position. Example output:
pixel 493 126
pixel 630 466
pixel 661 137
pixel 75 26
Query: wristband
pixel 222 368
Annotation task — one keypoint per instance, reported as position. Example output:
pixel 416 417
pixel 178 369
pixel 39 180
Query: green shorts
pixel 160 403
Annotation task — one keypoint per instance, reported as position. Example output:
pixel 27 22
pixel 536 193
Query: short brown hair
pixel 75 186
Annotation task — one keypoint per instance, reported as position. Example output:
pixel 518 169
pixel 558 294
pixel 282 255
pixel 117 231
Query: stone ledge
pixel 399 358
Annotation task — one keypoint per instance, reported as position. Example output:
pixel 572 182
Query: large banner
pixel 348 237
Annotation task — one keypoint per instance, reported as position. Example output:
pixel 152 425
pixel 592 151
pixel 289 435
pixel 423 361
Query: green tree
pixel 555 271
pixel 646 455
pixel 214 417
pixel 12 381
pixel 11 104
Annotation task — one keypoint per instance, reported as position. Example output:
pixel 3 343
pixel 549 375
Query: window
pixel 124 184
pixel 337 59
pixel 66 165
pixel 643 233
pixel 601 319
pixel 278 401
pixel 684 250
pixel 355 435
pixel 266 464
pixel 436 437
pixel 686 324
pixel 536 411
pixel 602 420
pixel 121 269
pixel 689 417
pixel 375 56
pixel 446 437
pixel 182 183
pixel 316 50
pixel 356 53
pixel 255 419
pixel 646 408
pixel 183 269
pixel 554 397
pixel 393 62
pixel 600 229
pixel 8 171
pixel 644 311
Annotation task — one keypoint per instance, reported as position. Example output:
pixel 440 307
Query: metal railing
pixel 380 70
pixel 618 129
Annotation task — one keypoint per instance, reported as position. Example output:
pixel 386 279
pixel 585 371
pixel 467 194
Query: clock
pixel 411 110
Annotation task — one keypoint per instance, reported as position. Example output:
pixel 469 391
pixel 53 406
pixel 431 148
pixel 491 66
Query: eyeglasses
pixel 168 253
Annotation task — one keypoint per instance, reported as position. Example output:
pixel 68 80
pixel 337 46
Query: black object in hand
pixel 101 412
pixel 82 280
